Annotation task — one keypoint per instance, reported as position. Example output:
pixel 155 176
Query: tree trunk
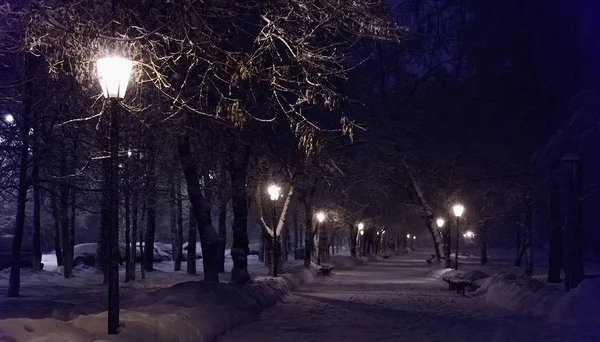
pixel 150 209
pixel 556 242
pixel 353 239
pixel 14 282
pixel 222 234
pixel 64 219
pixel 191 252
pixel 173 220
pixel 134 230
pixel 528 236
pixel 209 240
pixel 56 220
pixel 296 233
pixel 571 210
pixel 73 194
pixel 428 214
pixel 37 248
pixel 239 202
pixel 177 253
pixel 128 268
pixel 483 237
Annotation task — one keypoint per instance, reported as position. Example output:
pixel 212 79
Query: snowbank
pixel 519 292
pixel 579 306
pixel 188 311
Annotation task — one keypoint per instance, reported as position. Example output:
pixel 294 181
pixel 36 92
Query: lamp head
pixel 114 73
pixel 440 222
pixel 320 216
pixel 458 210
pixel 273 191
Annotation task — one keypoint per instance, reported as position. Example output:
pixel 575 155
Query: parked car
pixel 198 250
pixel 6 252
pixel 165 248
pixel 84 254
pixel 159 255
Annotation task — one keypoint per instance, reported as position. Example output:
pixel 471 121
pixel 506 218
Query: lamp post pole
pixel 113 73
pixel 275 247
pixel 458 211
pixel 113 231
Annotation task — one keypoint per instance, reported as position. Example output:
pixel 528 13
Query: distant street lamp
pixel 113 73
pixel 274 193
pixel 9 118
pixel 458 210
pixel 440 222
pixel 469 234
pixel 320 219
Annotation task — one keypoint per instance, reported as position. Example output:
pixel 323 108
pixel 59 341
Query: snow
pixel 164 307
pixel 394 300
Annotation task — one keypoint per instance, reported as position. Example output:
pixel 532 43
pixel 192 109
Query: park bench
pixel 457 284
pixel 430 260
pixel 325 270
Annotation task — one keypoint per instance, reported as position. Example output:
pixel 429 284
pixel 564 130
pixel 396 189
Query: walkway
pixel 390 300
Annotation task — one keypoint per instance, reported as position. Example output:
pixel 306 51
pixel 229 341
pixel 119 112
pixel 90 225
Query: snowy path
pixel 391 300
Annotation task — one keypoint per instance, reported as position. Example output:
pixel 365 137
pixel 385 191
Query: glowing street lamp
pixel 361 226
pixel 274 192
pixel 458 210
pixel 408 236
pixel 440 222
pixel 320 216
pixel 113 74
pixel 469 234
pixel 9 118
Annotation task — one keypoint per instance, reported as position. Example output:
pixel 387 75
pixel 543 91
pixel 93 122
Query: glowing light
pixel 469 234
pixel 458 210
pixel 362 232
pixel 9 118
pixel 377 233
pixel 408 236
pixel 129 153
pixel 440 222
pixel 273 191
pixel 114 73
pixel 320 216
pixel 361 226
pixel 414 237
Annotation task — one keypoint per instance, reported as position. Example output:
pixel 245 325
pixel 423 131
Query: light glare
pixel 440 222
pixel 458 210
pixel 114 73
pixel 273 191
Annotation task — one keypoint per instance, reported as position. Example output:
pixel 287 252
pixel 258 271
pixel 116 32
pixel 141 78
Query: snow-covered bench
pixel 325 270
pixel 457 284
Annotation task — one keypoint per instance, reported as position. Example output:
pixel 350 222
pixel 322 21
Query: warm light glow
pixel 273 191
pixel 377 233
pixel 9 118
pixel 129 153
pixel 383 232
pixel 320 216
pixel 440 222
pixel 361 226
pixel 408 236
pixel 414 237
pixel 469 234
pixel 114 73
pixel 458 210
pixel 362 232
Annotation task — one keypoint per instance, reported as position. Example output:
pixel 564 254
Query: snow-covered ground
pixel 396 300
pixel 49 294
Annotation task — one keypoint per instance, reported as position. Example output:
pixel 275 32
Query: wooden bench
pixel 458 285
pixel 325 270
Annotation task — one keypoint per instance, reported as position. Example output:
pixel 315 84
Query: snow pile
pixel 187 311
pixel 580 305
pixel 343 262
pixel 519 292
pixel 443 272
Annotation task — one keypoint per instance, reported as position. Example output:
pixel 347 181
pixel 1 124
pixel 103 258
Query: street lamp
pixel 320 219
pixel 458 210
pixel 113 73
pixel 9 118
pixel 440 222
pixel 469 234
pixel 274 193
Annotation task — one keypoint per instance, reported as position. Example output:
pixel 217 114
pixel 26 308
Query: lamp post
pixel 114 73
pixel 361 232
pixel 447 240
pixel 458 210
pixel 274 194
pixel 320 219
